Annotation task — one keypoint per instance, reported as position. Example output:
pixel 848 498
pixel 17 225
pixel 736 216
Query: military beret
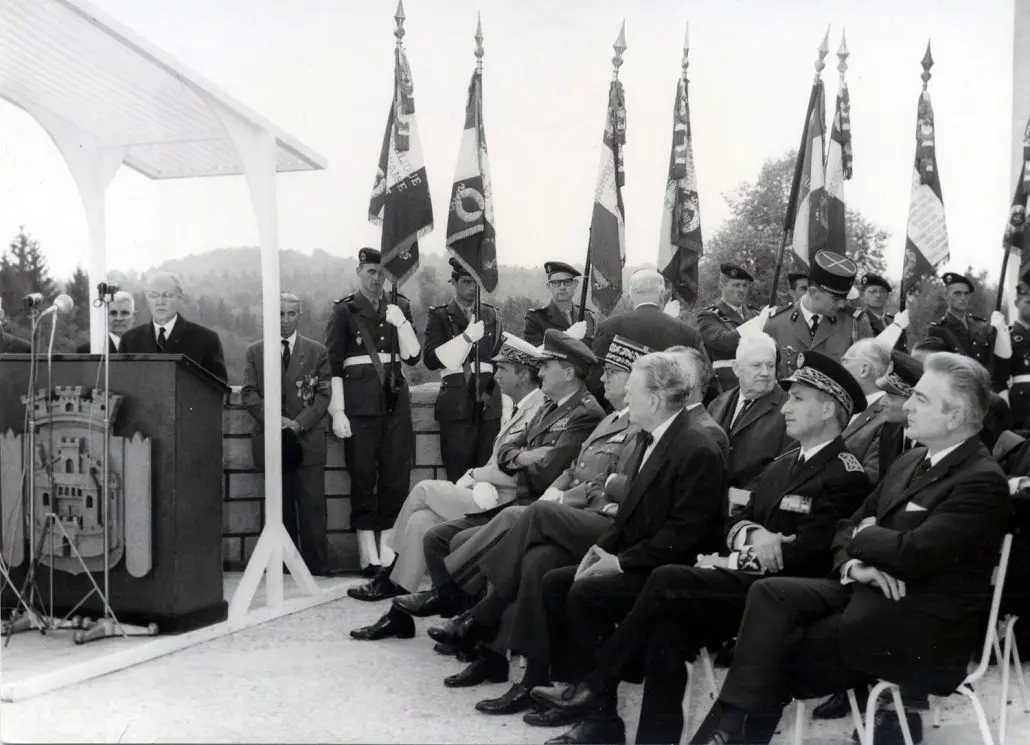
pixel 833 272
pixel 518 350
pixel 622 353
pixel 819 371
pixel 732 271
pixel 794 277
pixel 903 372
pixel 560 346
pixel 292 452
pixel 457 269
pixel 954 278
pixel 875 280
pixel 369 256
pixel 557 267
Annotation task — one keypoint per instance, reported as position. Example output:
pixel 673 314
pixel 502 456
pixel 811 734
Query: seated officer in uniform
pixel 718 323
pixel 875 291
pixel 468 425
pixel 785 530
pixel 912 571
pixel 561 313
pixel 987 343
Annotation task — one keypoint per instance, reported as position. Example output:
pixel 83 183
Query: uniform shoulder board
pixel 488 305
pixel 777 311
pixel 936 322
pixel 858 313
pixel 345 299
pixel 978 318
pixel 710 308
pixel 851 464
pixel 438 307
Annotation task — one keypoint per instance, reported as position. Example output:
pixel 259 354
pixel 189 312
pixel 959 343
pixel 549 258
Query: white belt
pixel 364 359
pixel 1020 379
pixel 722 364
pixel 484 367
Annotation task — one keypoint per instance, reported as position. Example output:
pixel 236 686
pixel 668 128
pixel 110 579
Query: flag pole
pixel 795 187
pixel 399 35
pixel 1022 187
pixel 477 409
pixel 925 75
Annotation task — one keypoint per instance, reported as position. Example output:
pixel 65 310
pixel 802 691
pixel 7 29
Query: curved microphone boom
pixel 62 304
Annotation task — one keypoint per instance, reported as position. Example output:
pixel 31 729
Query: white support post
pixel 92 167
pixel 257 150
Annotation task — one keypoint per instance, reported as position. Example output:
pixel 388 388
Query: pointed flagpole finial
pixel 824 49
pixel 479 42
pixel 399 18
pixel 686 48
pixel 842 55
pixel 927 63
pixel 620 47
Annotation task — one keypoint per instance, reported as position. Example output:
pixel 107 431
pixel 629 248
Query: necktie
pixel 161 339
pixel 921 470
pixel 644 440
pixel 740 414
pixel 286 354
pixel 798 464
pixel 815 324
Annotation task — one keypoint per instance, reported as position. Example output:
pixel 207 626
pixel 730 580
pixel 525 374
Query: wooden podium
pixel 178 405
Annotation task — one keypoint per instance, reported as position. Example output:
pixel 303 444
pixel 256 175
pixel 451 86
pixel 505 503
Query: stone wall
pixel 243 488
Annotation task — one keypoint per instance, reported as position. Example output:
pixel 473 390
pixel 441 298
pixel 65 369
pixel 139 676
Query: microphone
pixel 62 304
pixel 32 301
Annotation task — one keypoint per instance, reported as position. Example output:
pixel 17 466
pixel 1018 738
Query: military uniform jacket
pixel 974 339
pixel 790 331
pixel 806 501
pixel 758 436
pixel 609 444
pixel 457 392
pixel 862 435
pixel 879 324
pixel 718 326
pixel 350 319
pixel 538 320
pixel 939 533
pixel 562 429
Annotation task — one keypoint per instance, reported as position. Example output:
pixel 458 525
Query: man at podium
pixel 169 333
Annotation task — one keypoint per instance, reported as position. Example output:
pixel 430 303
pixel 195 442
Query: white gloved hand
pixel 485 495
pixel 467 480
pixel 577 330
pixel 901 320
pixel 474 332
pixel 998 320
pixel 341 425
pixel 552 495
pixel 395 316
pixel 672 308
pixel 756 324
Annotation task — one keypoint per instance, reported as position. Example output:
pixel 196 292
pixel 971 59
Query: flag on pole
pixel 400 197
pixel 810 228
pixel 1017 237
pixel 680 244
pixel 839 162
pixel 926 242
pixel 470 222
pixel 607 245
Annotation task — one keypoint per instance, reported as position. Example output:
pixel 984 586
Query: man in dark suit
pixel 914 566
pixel 719 322
pixel 867 361
pixel 468 425
pixel 786 529
pixel 679 468
pixel 10 344
pixel 121 316
pixel 561 313
pixel 305 400
pixel 169 333
pixel 750 413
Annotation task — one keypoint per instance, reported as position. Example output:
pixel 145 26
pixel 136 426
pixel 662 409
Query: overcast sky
pixel 322 70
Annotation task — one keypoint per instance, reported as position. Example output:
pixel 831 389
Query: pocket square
pixel 913 507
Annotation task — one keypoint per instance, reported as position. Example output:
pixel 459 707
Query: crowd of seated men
pixel 838 526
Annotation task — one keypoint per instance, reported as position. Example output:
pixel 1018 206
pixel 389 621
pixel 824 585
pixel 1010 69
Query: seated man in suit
pixel 786 529
pixel 750 413
pixel 305 400
pixel 675 487
pixel 169 333
pixel 867 361
pixel 10 344
pixel 121 316
pixel 912 575
pixel 695 360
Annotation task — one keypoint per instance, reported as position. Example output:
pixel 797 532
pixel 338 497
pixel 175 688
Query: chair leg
pixel 798 735
pixel 981 716
pixel 870 709
pixel 935 713
pixel 709 668
pixel 686 705
pixel 856 716
pixel 1003 716
pixel 899 709
pixel 1020 680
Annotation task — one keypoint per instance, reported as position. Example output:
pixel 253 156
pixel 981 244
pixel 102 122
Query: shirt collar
pixel 811 452
pixel 739 311
pixel 657 432
pixel 622 412
pixel 167 326
pixel 292 339
pixel 941 454
pixel 528 398
pixel 647 302
pixel 806 312
pixel 872 398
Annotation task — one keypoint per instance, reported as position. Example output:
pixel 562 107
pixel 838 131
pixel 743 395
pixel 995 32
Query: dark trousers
pixel 379 453
pixel 466 444
pixel 304 515
pixel 1019 403
pixel 436 544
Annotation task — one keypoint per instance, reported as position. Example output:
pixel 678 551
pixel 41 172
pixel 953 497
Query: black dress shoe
pixel 467 654
pixel 370 571
pixel 547 717
pixel 837 706
pixel 607 731
pixel 492 669
pixel 461 631
pixel 378 588
pixel 574 699
pixel 419 604
pixel 887 728
pixel 445 649
pixel 514 701
pixel 392 624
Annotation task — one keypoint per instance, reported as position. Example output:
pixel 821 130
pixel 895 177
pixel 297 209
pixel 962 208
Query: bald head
pixel 646 286
pixel 164 296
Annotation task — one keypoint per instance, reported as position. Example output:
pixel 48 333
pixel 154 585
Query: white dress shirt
pixel 166 326
pixel 291 340
pixel 656 435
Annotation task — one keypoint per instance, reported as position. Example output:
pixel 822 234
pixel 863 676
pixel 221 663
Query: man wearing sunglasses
pixel 561 313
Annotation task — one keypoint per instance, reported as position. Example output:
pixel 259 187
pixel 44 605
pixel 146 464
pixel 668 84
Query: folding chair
pixel 1010 656
pixel 801 717
pixel 705 661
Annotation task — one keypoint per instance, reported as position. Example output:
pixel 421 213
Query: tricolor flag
pixel 810 228
pixel 470 222
pixel 400 197
pixel 838 170
pixel 680 244
pixel 926 242
pixel 1017 237
pixel 607 247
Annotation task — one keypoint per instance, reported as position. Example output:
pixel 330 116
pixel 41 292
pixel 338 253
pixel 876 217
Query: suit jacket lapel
pixel 730 312
pixel 937 472
pixel 812 465
pixel 758 408
pixel 545 423
pixel 175 337
pixel 640 483
pixel 609 426
pixel 863 419
pixel 457 315
pixel 557 317
pixel 723 412
pixel 824 332
pixel 297 357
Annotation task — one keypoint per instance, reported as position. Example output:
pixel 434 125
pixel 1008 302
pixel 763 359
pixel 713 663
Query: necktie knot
pixel 286 353
pixel 815 322
pixel 161 338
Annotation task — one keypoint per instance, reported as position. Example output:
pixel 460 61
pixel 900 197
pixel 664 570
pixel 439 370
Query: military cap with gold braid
pixel 903 372
pixel 817 370
pixel 622 353
pixel 560 346
pixel 517 350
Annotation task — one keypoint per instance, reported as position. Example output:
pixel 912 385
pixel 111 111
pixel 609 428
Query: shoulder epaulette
pixel 345 299
pixel 713 308
pixel 538 310
pixel 858 313
pixel 851 464
pixel 936 322
pixel 488 305
pixel 438 307
pixel 777 311
pixel 402 296
pixel 978 318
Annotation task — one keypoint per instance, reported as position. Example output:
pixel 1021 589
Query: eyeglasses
pixel 161 295
pixel 561 282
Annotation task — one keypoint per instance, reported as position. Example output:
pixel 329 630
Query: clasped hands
pixel 597 563
pixel 766 547
pixel 863 573
pixel 287 423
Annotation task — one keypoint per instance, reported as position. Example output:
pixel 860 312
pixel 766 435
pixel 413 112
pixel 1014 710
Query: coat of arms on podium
pixel 68 487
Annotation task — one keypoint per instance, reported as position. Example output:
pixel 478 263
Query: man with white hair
pixel 750 413
pixel 867 360
pixel 10 344
pixel 121 316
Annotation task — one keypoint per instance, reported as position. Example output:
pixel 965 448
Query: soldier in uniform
pixel 875 291
pixel 468 425
pixel 818 320
pixel 561 313
pixel 718 323
pixel 1019 393
pixel 798 284
pixel 368 337
pixel 986 342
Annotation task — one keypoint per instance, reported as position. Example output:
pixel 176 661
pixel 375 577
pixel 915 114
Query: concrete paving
pixel 303 679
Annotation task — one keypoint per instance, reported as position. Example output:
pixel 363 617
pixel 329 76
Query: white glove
pixel 467 480
pixel 901 320
pixel 757 324
pixel 395 316
pixel 577 330
pixel 1002 342
pixel 341 424
pixel 485 495
pixel 406 339
pixel 474 332
pixel 998 320
pixel 552 495
pixel 672 308
pixel 890 335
